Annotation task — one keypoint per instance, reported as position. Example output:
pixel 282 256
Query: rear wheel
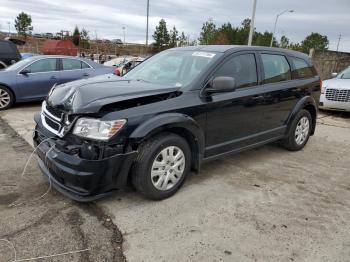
pixel 6 98
pixel 299 132
pixel 162 165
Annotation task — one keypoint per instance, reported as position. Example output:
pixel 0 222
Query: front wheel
pixel 162 165
pixel 299 132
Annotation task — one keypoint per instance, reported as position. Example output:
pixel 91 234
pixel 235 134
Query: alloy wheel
pixel 5 98
pixel 168 168
pixel 302 130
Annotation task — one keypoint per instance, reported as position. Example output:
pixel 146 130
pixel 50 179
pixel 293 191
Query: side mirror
pixel 334 74
pixel 25 71
pixel 221 84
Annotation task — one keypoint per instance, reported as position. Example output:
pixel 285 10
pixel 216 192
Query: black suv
pixel 8 53
pixel 177 109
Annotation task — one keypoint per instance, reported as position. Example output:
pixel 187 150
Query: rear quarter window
pixel 302 69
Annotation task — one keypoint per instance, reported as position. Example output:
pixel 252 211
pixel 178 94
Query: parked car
pixel 8 53
pixel 32 78
pixel 26 55
pixel 335 93
pixel 129 65
pixel 167 116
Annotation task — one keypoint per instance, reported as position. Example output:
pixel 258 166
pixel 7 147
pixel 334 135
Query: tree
pixel 316 41
pixel 243 32
pixel 161 35
pixel 295 46
pixel 182 39
pixel 263 39
pixel 174 37
pixel 76 36
pixel 84 39
pixel 23 24
pixel 284 42
pixel 207 35
pixel 226 34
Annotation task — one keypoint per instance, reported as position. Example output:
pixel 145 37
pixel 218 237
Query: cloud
pixel 106 18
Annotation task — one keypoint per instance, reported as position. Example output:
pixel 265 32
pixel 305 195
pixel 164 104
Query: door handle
pixel 258 98
pixel 53 77
pixel 86 74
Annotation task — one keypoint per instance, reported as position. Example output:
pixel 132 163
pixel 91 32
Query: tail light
pixel 117 71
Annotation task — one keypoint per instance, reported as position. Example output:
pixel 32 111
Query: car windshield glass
pixel 173 68
pixel 345 74
pixel 19 64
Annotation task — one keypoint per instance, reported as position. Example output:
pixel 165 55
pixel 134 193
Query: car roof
pixel 233 48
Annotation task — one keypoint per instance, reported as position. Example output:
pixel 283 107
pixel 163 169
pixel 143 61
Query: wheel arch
pixel 308 103
pixel 176 123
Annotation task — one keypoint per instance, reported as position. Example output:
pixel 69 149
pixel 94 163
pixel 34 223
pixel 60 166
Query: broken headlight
pixel 96 129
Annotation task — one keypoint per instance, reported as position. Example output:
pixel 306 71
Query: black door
pixel 234 118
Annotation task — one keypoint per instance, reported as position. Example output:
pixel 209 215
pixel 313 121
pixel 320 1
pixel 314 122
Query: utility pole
pixel 147 26
pixel 9 28
pixel 251 31
pixel 338 42
pixel 124 34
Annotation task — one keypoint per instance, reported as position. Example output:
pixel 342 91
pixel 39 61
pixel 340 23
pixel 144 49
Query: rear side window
pixel 242 68
pixel 43 65
pixel 276 68
pixel 84 65
pixel 301 68
pixel 71 64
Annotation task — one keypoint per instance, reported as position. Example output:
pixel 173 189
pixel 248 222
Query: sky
pixel 105 19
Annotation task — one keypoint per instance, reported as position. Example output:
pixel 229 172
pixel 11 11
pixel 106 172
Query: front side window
pixel 301 68
pixel 43 65
pixel 173 68
pixel 242 68
pixel 72 64
pixel 276 68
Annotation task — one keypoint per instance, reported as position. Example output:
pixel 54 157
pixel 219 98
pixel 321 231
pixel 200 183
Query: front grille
pixel 54 111
pixel 52 124
pixel 339 95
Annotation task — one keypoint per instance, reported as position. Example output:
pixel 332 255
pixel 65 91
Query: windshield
pixel 173 68
pixel 345 74
pixel 19 64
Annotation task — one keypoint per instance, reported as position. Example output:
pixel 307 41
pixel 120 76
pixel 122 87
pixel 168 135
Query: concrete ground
pixel 266 204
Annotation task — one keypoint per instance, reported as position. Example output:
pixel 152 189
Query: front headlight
pixel 96 129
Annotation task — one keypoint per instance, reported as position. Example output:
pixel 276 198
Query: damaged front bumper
pixel 80 179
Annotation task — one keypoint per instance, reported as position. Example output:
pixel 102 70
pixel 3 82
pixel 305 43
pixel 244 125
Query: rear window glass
pixel 5 47
pixel 301 68
pixel 276 68
pixel 71 64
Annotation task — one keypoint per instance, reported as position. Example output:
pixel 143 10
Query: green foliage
pixel 208 33
pixel 76 36
pixel 263 39
pixel 226 34
pixel 23 24
pixel 284 42
pixel 295 47
pixel 316 41
pixel 161 35
pixel 183 39
pixel 84 39
pixel 174 37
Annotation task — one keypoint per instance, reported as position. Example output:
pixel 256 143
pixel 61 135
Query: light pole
pixel 274 28
pixel 147 25
pixel 124 33
pixel 251 30
pixel 9 28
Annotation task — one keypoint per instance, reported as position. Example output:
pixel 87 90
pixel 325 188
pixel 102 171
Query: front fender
pixel 178 123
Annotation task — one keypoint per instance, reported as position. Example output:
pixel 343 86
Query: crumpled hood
pixel 89 95
pixel 337 83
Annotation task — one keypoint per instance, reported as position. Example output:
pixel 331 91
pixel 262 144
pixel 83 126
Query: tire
pixel 2 65
pixel 7 99
pixel 154 179
pixel 298 134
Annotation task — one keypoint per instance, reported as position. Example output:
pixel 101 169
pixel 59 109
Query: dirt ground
pixel 51 225
pixel 266 204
